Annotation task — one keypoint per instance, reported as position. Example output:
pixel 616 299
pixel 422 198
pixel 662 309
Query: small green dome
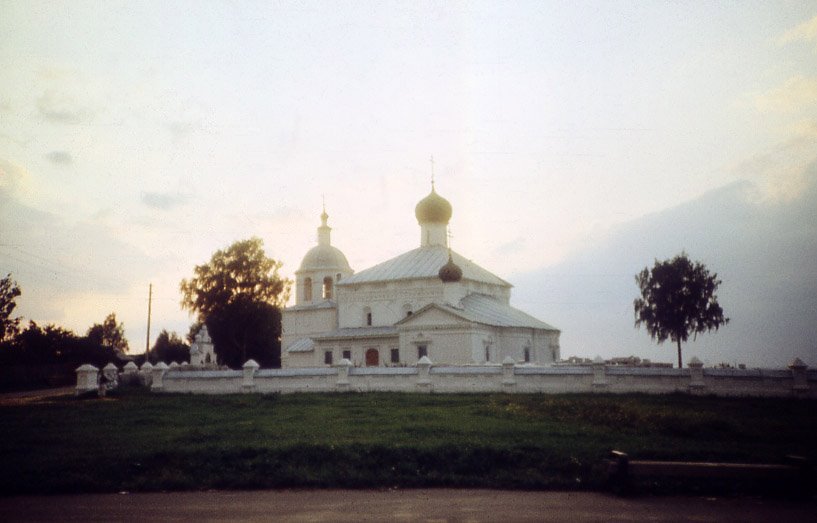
pixel 433 209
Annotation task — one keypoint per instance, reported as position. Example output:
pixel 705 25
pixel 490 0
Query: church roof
pixel 420 263
pixel 325 304
pixel 301 345
pixel 480 308
pixel 358 332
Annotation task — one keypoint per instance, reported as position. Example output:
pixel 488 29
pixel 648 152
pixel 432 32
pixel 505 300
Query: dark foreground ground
pixel 396 505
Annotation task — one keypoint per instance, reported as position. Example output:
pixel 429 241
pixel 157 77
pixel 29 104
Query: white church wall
pixel 385 301
pixel 796 381
pixel 297 324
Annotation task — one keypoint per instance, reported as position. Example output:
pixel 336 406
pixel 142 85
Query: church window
pixel 347 354
pixel 422 350
pixel 337 277
pixel 395 355
pixel 527 354
pixel 327 357
pixel 487 353
pixel 327 288
pixel 308 289
pixel 367 316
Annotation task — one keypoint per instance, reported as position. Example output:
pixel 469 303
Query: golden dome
pixel 433 209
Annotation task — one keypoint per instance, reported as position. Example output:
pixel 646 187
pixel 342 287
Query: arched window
pixel 367 316
pixel 327 288
pixel 527 354
pixel 337 276
pixel 308 289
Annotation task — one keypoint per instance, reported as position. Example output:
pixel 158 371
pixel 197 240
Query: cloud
pixel 62 107
pixel 164 201
pixel 805 32
pixel 62 158
pixel 762 250
pixel 783 172
pixel 14 179
pixel 181 129
pixel 796 94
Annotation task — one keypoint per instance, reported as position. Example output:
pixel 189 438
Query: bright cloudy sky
pixel 136 138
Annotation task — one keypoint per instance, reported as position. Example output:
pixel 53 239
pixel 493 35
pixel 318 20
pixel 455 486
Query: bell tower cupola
pixel 321 269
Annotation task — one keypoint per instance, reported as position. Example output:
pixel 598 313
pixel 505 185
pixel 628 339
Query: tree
pixel 246 329
pixel 238 294
pixel 678 299
pixel 109 334
pixel 170 347
pixel 8 293
pixel 240 270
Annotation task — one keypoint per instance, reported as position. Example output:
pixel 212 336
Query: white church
pixel 429 301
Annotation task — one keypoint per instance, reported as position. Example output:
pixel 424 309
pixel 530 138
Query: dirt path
pixel 395 506
pixel 34 396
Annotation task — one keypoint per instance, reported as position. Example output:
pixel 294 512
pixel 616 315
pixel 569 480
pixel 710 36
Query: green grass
pixel 139 441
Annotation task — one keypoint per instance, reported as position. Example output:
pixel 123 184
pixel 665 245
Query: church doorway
pixel 372 358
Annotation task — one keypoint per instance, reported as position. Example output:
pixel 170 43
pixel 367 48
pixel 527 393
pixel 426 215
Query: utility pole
pixel 147 341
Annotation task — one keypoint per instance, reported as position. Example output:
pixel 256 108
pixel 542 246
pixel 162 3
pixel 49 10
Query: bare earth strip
pixel 34 396
pixel 395 505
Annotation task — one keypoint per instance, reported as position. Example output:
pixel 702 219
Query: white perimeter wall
pixel 794 382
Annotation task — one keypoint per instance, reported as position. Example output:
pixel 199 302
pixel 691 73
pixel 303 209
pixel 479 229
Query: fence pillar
pixel 250 368
pixel 798 374
pixel 111 372
pixel 86 378
pixel 146 374
pixel 343 375
pixel 130 368
pixel 696 375
pixel 508 379
pixel 158 374
pixel 599 374
pixel 424 374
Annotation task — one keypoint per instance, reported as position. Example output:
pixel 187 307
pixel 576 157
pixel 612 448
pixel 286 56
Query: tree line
pixel 239 295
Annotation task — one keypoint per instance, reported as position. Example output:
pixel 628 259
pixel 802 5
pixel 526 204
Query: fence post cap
pixel 86 368
pixel 147 366
pixel 695 362
pixel 424 361
pixel 251 364
pixel 508 361
pixel 797 363
pixel 161 366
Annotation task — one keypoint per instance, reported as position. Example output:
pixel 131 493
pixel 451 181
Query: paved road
pixel 394 506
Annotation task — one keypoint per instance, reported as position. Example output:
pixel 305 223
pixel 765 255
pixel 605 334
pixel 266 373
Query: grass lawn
pixel 139 441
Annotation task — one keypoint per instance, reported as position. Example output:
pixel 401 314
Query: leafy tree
pixel 245 329
pixel 170 347
pixel 678 299
pixel 109 334
pixel 240 270
pixel 238 294
pixel 8 293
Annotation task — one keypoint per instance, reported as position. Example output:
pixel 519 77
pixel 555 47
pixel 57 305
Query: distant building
pixel 430 301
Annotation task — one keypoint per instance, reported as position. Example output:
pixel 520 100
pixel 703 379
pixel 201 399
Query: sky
pixel 577 142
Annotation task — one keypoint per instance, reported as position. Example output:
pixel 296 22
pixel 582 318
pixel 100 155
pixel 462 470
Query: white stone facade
pixel 405 308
